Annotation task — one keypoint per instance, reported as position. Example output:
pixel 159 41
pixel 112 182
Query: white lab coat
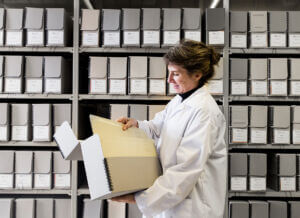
pixel 189 137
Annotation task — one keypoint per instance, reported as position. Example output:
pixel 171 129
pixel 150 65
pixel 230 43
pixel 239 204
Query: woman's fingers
pixel 123 120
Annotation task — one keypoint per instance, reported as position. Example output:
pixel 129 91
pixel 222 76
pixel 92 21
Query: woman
pixel 189 136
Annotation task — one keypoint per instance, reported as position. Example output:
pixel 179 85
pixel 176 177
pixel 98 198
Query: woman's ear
pixel 197 76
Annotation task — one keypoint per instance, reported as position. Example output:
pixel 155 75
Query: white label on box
pixel 98 86
pixel 19 133
pixel 13 85
pixel 281 136
pixel 294 40
pixel 138 86
pixel 23 181
pixel 193 35
pixel 55 37
pixel 296 136
pixel 53 86
pixel 151 37
pixel 171 37
pixel 90 38
pixel 1 84
pixel 62 180
pixel 287 184
pixel 238 184
pixel 1 38
pixel 216 37
pixel 14 38
pixel 34 85
pixel 239 88
pixel 239 135
pixel 259 40
pixel 41 133
pixel 278 40
pixel 157 86
pixel 238 40
pixel 131 37
pixel 35 37
pixel 3 133
pixel 258 184
pixel 6 180
pixel 295 87
pixel 278 88
pixel 42 181
pixel 172 89
pixel 259 87
pixel 112 38
pixel 258 136
pixel 215 86
pixel 117 86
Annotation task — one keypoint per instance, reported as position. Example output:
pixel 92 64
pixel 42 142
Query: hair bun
pixel 214 56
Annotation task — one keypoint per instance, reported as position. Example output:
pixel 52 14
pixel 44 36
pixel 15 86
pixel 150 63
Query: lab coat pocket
pixel 183 209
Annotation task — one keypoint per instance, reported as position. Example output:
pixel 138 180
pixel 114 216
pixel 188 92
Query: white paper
pixel 62 180
pixel 34 85
pixel 193 35
pixel 259 40
pixel 258 184
pixel 131 37
pixel 238 183
pixel 278 88
pixel 238 40
pixel 295 87
pixel 287 184
pixel 23 181
pixel 42 181
pixel 112 38
pixel 41 133
pixel 157 86
pixel 215 86
pixel 19 133
pixel 1 38
pixel 239 135
pixel 239 88
pixel 258 135
pixel 278 40
pixel 294 40
pixel 35 37
pixel 151 37
pixel 55 37
pixel 3 133
pixel 259 87
pixel 1 84
pixel 98 86
pixel 117 86
pixel 281 136
pixel 138 86
pixel 171 37
pixel 6 181
pixel 90 38
pixel 53 86
pixel 216 37
pixel 296 136
pixel 14 38
pixel 172 89
pixel 13 85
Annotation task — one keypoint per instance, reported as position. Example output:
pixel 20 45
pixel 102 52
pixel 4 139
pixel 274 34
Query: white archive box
pixel 151 22
pixel 171 26
pixel 238 76
pixel 34 74
pixel 25 208
pixel 258 29
pixel 154 109
pixel 118 110
pixel 7 167
pixel 215 26
pixel 14 27
pixel 280 125
pixel 61 171
pixel 238 29
pixel 13 74
pixel 259 209
pixel 44 208
pixel 294 29
pixel 21 122
pixel 111 27
pixel 90 27
pixel 138 68
pixel 34 25
pixel 23 169
pixel 131 27
pixel 295 124
pixel 98 75
pixel 2 22
pixel 238 169
pixel 61 113
pixel 239 209
pixel 157 76
pixel 257 172
pixel 278 29
pixel 4 121
pixel 92 208
pixel 118 75
pixel 239 124
pixel 191 23
pixel 62 208
pixel 138 111
pixel 42 122
pixel 258 76
pixel 258 128
pixel 1 73
pixel 116 209
pixel 215 85
pixel 294 79
pixel 7 207
pixel 42 169
pixel 278 76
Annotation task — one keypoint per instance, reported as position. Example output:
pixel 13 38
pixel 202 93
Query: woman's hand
pixel 128 122
pixel 125 199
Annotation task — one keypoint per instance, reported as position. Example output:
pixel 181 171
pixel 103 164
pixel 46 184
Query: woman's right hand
pixel 128 122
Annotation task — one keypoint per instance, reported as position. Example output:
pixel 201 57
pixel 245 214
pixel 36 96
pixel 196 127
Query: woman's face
pixel 181 80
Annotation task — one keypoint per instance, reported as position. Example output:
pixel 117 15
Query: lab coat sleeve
pixel 177 182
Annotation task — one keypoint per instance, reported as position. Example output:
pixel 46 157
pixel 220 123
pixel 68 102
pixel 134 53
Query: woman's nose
pixel 170 78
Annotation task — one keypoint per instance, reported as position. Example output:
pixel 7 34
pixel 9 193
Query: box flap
pixel 62 208
pixel 138 66
pixel 7 161
pixel 191 19
pixel 219 70
pixel 98 67
pixel 34 66
pixel 295 115
pixel 24 162
pixel 238 164
pixel 281 116
pixel 92 208
pixel 118 110
pixel 287 164
pixel 258 68
pixel 258 116
pixel 278 21
pixel 239 69
pixel 258 21
pixel 6 207
pixel 53 66
pixel 90 19
pixel 20 114
pixel 295 66
pixel 294 207
pixel 13 66
pixel 257 164
pixel 61 113
pixel 44 207
pixel 2 18
pixel 42 162
pixel 25 206
pixel 1 65
pixel 42 115
pixel 118 67
pixel 157 68
pixel 239 209
pixel 239 116
pixel 55 18
pixel 138 111
pixel 277 209
pixel 151 18
pixel 14 19
pixel 4 115
pixel 278 68
pixel 34 18
pixel 293 19
pixel 171 18
pixel 259 209
pixel 59 164
pixel 131 18
pixel 215 19
pixel 238 21
pixel 111 19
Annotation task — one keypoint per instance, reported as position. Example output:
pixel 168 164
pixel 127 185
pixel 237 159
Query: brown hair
pixel 195 57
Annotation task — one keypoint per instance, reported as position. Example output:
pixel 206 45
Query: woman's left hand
pixel 125 199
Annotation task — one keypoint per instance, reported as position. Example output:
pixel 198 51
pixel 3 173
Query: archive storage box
pixel 157 76
pixel 215 26
pixel 21 122
pixel 280 124
pixel 238 171
pixel 258 209
pixel 131 27
pixel 278 209
pixel 239 76
pixel 1 73
pixel 2 23
pixel 23 169
pixel 171 26
pixel 258 129
pixel 61 172
pixel 295 124
pixel 257 172
pixel 34 26
pixel 98 75
pixel 90 28
pixel 215 85
pixel 42 122
pixel 278 29
pixel 294 79
pixel 14 27
pixel 294 29
pixel 278 76
pixel 138 70
pixel 13 74
pixel 25 207
pixel 34 74
pixel 7 207
pixel 7 163
pixel 44 208
pixel 239 124
pixel 258 76
pixel 258 29
pixel 42 169
pixel 238 29
pixel 111 27
pixel 118 75
pixel 4 122
pixel 239 209
pixel 191 23
pixel 151 22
